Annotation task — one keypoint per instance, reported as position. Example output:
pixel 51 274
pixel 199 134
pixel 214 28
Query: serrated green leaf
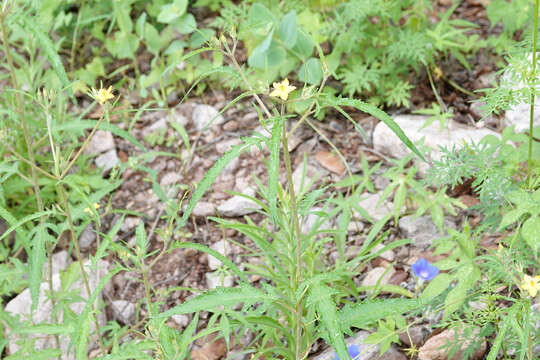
pixel 531 232
pixel 209 179
pixel 288 31
pixel 436 286
pixel 379 114
pixel 52 55
pixel 38 256
pixel 366 313
pixel 219 297
pixel 311 72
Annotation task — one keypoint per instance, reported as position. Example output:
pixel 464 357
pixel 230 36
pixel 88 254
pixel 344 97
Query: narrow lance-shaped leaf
pixel 379 114
pixel 209 179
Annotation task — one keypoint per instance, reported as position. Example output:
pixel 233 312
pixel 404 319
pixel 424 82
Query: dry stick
pixel 32 160
pixel 63 197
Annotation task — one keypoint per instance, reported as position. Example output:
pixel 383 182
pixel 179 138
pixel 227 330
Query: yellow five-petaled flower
pixel 282 89
pixel 102 95
pixel 87 210
pixel 531 284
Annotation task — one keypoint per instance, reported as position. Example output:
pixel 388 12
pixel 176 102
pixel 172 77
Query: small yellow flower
pixel 531 284
pixel 87 210
pixel 102 95
pixel 282 89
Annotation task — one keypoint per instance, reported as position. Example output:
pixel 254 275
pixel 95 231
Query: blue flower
pixel 354 351
pixel 424 270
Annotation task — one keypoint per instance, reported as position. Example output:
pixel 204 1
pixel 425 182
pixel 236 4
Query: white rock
pixel 223 146
pixel 107 160
pixel 312 219
pixel 377 211
pixel 311 174
pixel 385 141
pixel 130 223
pixel 422 231
pixel 386 255
pixel 366 351
pixel 123 311
pixel 204 209
pixel 181 320
pixel 156 126
pixel 373 276
pixel 224 248
pixel 205 115
pixel 519 116
pixel 87 237
pixel 170 178
pixel 239 205
pixel 21 306
pixel 101 141
pixel 217 279
pixel 60 261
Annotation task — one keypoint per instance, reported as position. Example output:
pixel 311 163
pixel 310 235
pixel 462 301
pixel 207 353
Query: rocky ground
pixel 186 268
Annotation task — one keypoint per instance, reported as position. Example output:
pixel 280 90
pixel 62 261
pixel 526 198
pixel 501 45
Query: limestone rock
pixel 102 141
pixel 107 160
pixel 238 205
pixel 377 211
pixel 206 115
pixel 217 279
pixel 123 310
pixel 373 276
pixel 224 248
pixel 422 231
pixel 436 347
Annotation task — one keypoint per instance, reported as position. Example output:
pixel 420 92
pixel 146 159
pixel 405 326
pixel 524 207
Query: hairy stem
pixel 294 210
pixel 531 118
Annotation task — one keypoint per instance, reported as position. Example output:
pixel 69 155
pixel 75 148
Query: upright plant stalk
pixel 531 119
pixel 31 160
pixel 294 210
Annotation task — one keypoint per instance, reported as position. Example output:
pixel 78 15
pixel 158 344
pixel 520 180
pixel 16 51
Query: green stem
pixel 75 34
pixel 298 279
pixel 531 119
pixel 65 204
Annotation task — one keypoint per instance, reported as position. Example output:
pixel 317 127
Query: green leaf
pixel 52 55
pixel 366 313
pixel 379 114
pixel 531 232
pixel 121 11
pixel 38 256
pixel 288 32
pixel 171 12
pixel 152 39
pixel 186 24
pixel 320 296
pixel 304 45
pixel 436 286
pixel 219 297
pixel 259 16
pixel 273 167
pixel 49 329
pixel 122 45
pixel 209 179
pixel 311 72
pixel 257 59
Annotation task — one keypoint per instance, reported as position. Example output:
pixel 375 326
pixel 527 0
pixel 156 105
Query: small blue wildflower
pixel 424 270
pixel 354 351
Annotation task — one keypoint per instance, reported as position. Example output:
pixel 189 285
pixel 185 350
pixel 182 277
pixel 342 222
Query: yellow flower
pixel 87 210
pixel 531 284
pixel 102 95
pixel 282 89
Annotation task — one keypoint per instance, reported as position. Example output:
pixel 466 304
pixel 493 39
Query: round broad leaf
pixel 259 16
pixel 288 32
pixel 257 59
pixel 186 24
pixel 304 45
pixel 171 12
pixel 311 72
pixel 152 39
